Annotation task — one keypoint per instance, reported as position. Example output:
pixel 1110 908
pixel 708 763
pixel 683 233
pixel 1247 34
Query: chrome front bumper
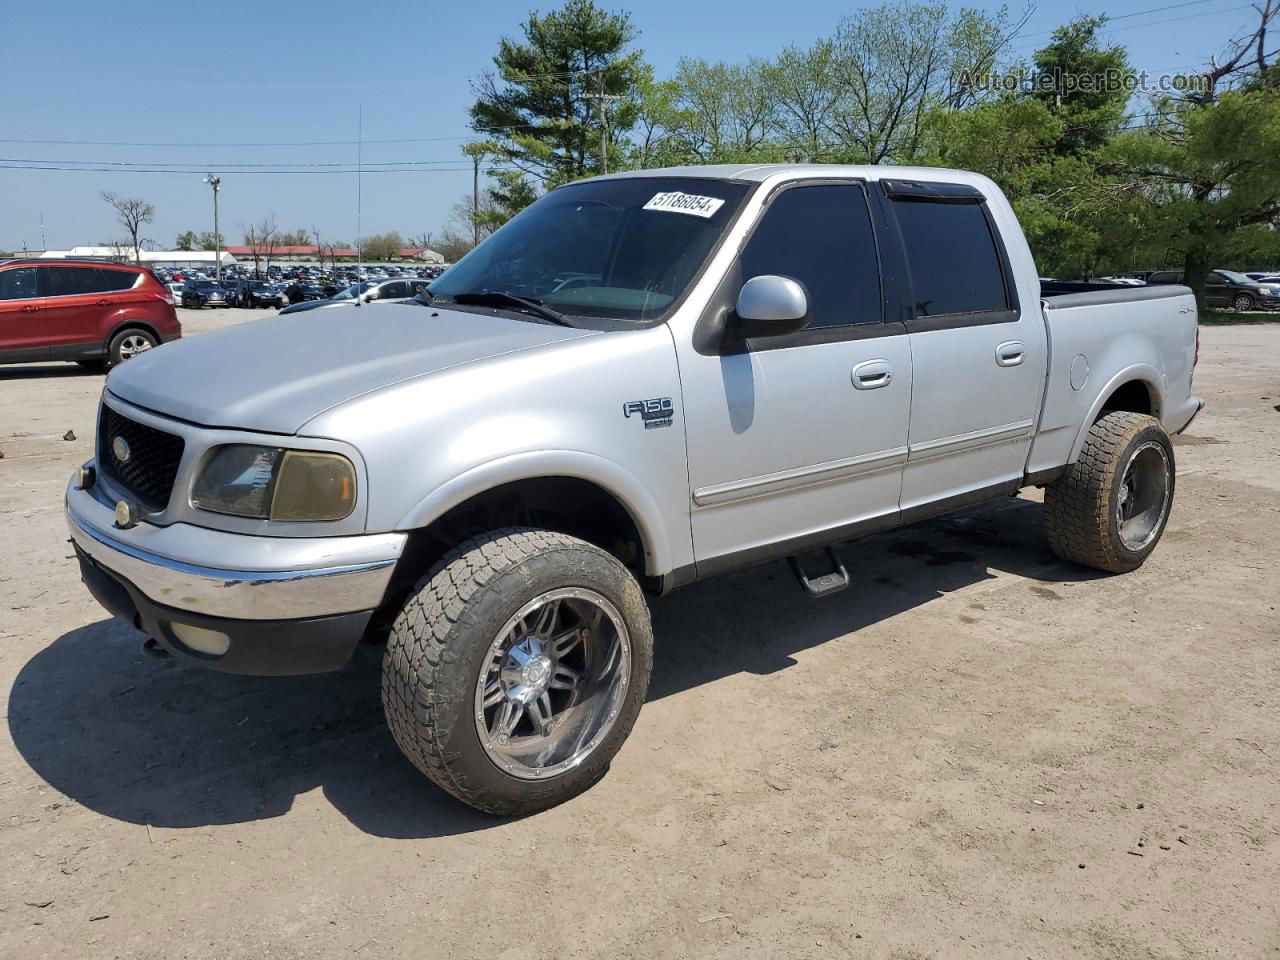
pixel 236 576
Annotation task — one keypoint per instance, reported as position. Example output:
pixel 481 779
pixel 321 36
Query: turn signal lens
pixel 314 486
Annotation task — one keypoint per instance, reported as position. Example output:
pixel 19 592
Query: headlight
pixel 270 483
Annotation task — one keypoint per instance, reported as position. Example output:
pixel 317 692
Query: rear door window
pixel 18 283
pixel 951 253
pixel 111 281
pixel 70 281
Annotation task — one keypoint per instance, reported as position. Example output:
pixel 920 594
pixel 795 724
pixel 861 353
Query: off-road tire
pixel 438 646
pixel 1080 507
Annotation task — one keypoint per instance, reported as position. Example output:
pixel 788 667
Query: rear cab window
pixel 956 265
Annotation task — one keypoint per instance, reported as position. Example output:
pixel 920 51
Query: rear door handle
pixel 872 374
pixel 1010 353
pixel 104 302
pixel 30 308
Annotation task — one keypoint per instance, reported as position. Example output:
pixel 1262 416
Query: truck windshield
pixel 622 249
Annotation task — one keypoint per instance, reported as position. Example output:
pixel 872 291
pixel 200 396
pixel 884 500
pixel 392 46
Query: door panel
pixel 972 415
pixel 22 332
pixel 796 435
pixel 76 304
pixel 782 445
pixel 978 359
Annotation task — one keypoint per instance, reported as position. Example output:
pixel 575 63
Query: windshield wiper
pixel 498 297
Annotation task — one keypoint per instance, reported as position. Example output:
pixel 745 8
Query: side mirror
pixel 770 306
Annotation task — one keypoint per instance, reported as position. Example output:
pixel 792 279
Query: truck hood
pixel 275 374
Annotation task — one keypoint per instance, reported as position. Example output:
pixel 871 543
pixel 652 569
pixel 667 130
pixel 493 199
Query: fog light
pixel 126 514
pixel 201 640
pixel 85 477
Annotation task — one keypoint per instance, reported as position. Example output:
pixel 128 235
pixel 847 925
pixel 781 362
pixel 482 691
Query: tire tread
pixel 424 641
pixel 1077 505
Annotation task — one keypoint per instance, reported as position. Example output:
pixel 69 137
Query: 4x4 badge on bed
pixel 657 412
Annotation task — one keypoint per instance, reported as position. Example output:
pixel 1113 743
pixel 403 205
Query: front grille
pixel 153 460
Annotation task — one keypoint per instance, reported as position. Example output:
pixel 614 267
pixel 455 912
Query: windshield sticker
pixel 691 203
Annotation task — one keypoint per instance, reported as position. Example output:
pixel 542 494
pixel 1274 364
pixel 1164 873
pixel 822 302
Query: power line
pixel 229 166
pixel 1128 16
pixel 280 143
pixel 4 165
pixel 1153 23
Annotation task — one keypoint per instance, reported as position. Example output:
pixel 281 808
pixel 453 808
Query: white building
pixel 152 258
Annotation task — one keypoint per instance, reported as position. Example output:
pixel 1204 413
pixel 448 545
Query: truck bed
pixel 1081 293
pixel 1103 336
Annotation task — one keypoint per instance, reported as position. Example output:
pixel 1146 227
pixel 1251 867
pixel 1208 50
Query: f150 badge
pixel 655 413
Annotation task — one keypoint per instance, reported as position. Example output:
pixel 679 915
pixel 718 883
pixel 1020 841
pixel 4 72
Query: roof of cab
pixel 757 172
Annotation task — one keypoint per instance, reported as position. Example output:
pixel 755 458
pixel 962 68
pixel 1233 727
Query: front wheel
pixel 517 668
pixel 1110 508
pixel 1242 302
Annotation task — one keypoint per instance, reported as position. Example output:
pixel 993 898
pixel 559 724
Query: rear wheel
pixel 517 669
pixel 127 344
pixel 1111 507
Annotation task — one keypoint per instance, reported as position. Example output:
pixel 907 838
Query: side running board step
pixel 828 583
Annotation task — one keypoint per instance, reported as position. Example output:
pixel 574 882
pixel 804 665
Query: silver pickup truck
pixel 642 381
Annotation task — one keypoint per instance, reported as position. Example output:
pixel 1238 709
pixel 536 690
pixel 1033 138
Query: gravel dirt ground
pixel 975 751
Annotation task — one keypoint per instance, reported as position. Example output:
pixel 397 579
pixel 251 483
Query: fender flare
pixel 605 474
pixel 1152 378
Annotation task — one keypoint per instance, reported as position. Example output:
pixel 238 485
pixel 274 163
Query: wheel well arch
pixel 565 504
pixel 1132 396
pixel 1135 389
pixel 129 323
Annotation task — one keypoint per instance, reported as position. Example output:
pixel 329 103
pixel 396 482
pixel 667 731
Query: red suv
pixel 90 312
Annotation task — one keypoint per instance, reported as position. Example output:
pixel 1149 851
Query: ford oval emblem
pixel 120 449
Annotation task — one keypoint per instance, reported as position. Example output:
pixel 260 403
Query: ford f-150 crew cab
pixel 641 381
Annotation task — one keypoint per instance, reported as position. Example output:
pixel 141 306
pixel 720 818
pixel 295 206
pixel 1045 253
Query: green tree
pixel 542 107
pixel 381 246
pixel 896 64
pixel 187 241
pixel 1084 83
pixel 1208 167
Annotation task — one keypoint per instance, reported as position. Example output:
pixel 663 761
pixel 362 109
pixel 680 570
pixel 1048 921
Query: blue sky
pixel 255 72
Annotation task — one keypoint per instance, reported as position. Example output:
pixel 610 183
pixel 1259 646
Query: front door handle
pixel 1010 353
pixel 872 374
pixel 104 303
pixel 30 308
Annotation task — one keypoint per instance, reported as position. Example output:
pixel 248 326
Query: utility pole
pixel 215 183
pixel 475 199
pixel 602 98
pixel 476 150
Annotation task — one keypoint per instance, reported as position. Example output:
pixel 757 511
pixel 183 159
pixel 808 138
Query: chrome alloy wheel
pixel 1143 498
pixel 133 345
pixel 553 682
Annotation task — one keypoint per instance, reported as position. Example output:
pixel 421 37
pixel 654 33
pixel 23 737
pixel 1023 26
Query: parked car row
pixel 1222 288
pixel 365 292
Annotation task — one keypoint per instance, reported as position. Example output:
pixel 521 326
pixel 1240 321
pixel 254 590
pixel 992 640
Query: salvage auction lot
pixel 974 751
